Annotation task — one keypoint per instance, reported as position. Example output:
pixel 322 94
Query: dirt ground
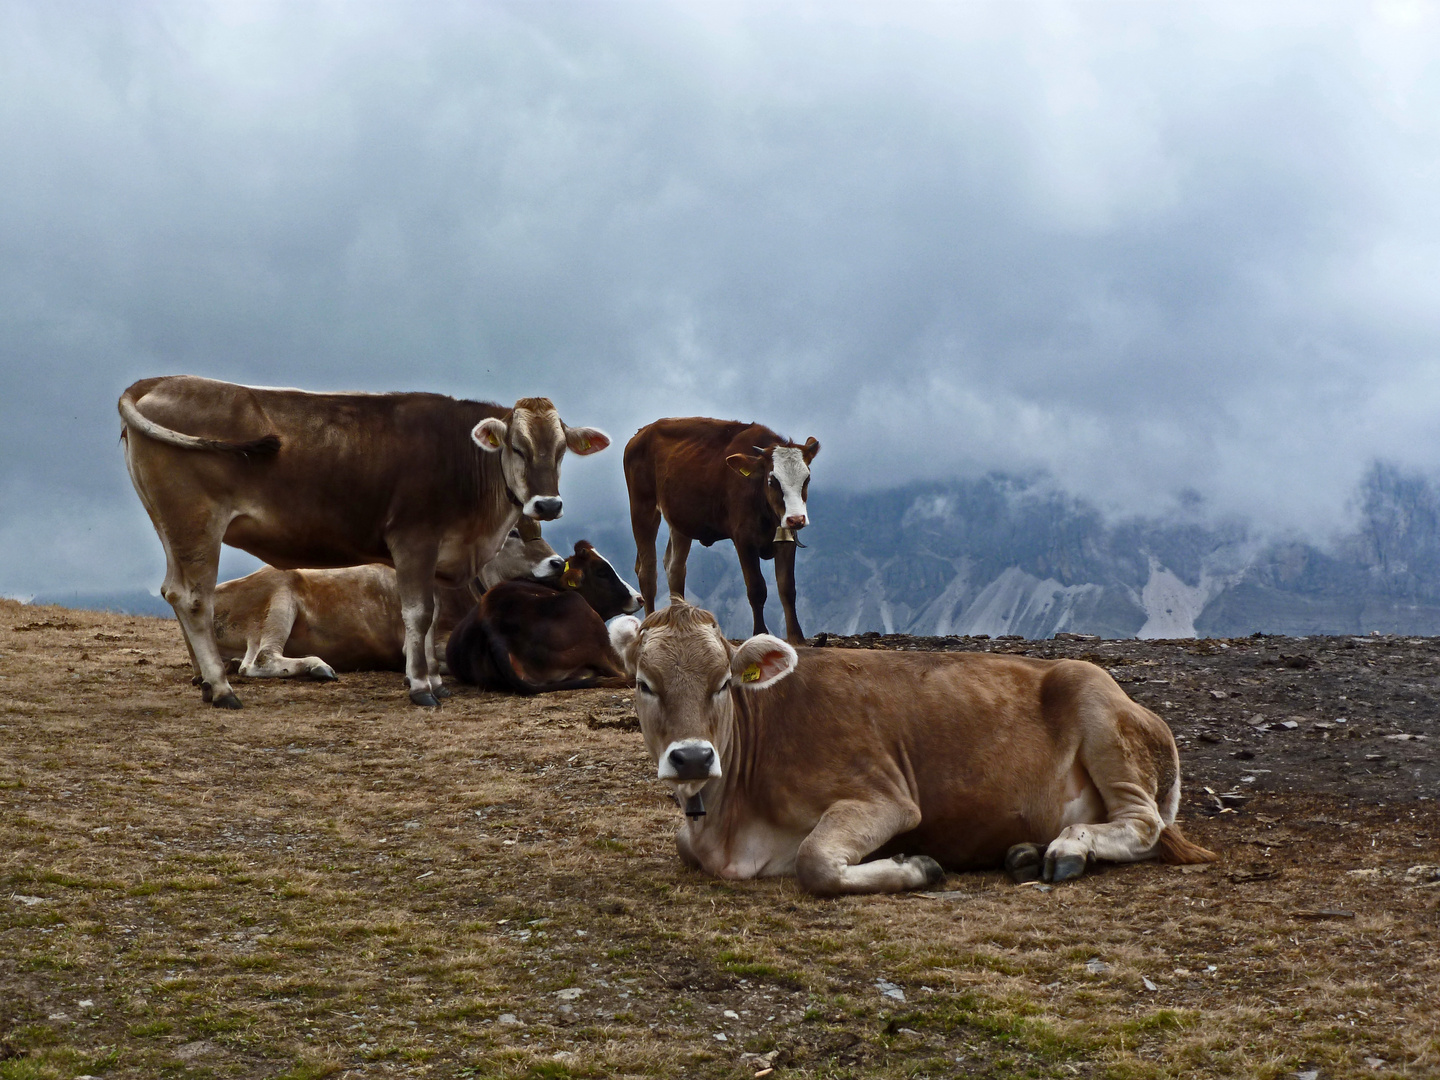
pixel 332 882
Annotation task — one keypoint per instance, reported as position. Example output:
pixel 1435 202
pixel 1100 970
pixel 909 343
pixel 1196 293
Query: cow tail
pixel 1175 849
pixel 507 678
pixel 134 418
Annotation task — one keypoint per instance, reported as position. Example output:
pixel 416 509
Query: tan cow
pixel 421 482
pixel 809 761
pixel 348 618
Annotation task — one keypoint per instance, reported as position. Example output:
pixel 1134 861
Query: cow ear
pixel 585 440
pixel 762 661
pixel 624 637
pixel 810 449
pixel 489 434
pixel 745 464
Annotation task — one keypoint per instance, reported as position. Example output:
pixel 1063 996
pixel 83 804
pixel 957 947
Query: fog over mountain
pixel 1179 260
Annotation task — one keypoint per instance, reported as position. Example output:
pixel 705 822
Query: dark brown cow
pixel 810 761
pixel 719 480
pixel 421 482
pixel 348 618
pixel 532 638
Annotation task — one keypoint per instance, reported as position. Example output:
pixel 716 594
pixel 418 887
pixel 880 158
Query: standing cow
pixel 807 762
pixel 421 482
pixel 719 480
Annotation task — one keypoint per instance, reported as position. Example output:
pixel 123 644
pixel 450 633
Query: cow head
pixel 590 574
pixel 784 470
pixel 524 554
pixel 531 443
pixel 686 675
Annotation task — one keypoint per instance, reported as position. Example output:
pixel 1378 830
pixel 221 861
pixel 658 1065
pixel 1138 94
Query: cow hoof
pixel 195 680
pixel 442 691
pixel 424 697
pixel 933 871
pixel 323 673
pixel 227 701
pixel 1064 867
pixel 1025 862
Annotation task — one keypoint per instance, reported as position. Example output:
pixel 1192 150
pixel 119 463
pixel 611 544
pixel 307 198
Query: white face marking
pixel 792 472
pixel 530 510
pixel 636 600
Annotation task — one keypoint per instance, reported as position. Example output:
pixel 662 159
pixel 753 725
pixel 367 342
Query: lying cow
pixel 810 761
pixel 421 482
pixel 719 480
pixel 348 618
pixel 532 638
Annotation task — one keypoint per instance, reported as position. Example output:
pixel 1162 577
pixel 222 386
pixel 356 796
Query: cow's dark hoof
pixel 227 701
pixel 195 680
pixel 934 872
pixel 323 673
pixel 1064 868
pixel 424 697
pixel 442 692
pixel 1025 862
pixel 207 695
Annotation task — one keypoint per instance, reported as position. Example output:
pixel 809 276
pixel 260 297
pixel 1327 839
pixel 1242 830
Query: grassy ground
pixel 334 883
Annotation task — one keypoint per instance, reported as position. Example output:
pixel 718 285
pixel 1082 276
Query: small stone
pixel 732 1014
pixel 28 901
pixel 1374 1062
pixel 1289 725
pixel 1308 1074
pixel 720 1036
pixel 1096 966
pixel 1148 984
pixel 86 1004
pixel 412 824
pixel 508 1018
pixel 889 989
pixel 570 993
pixel 1218 695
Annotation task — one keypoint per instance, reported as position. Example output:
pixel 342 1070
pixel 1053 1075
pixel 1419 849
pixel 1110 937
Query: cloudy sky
pixel 1151 248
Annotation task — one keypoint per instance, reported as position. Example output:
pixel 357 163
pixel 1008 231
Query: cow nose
pixel 547 509
pixel 692 762
pixel 551 567
pixel 796 521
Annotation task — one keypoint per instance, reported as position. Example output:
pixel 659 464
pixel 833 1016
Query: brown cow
pixel 348 618
pixel 809 761
pixel 421 482
pixel 719 480
pixel 532 638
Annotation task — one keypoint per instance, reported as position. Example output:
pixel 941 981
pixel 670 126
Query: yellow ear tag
pixel 584 445
pixel 744 471
pixel 751 673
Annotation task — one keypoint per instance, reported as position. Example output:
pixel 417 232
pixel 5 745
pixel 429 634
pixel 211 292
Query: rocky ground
pixel 334 883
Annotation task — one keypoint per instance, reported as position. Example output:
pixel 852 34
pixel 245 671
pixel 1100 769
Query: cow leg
pixel 828 861
pixel 1130 758
pixel 189 587
pixel 265 652
pixel 645 524
pixel 415 581
pixel 785 582
pixel 754 584
pixel 677 551
pixel 432 659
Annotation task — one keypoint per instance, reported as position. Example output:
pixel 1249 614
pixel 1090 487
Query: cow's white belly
pixel 758 851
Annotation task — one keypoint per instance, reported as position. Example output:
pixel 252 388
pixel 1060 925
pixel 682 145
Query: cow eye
pixel 644 687
pixel 724 688
pixel 514 534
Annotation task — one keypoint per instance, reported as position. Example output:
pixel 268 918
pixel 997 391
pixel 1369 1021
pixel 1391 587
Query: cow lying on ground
pixel 531 638
pixel 424 483
pixel 348 618
pixel 719 480
pixel 808 762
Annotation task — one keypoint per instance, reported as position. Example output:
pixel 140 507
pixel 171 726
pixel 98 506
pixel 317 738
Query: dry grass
pixel 333 883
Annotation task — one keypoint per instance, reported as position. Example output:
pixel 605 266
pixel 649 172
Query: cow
pixel 809 761
pixel 719 480
pixel 348 618
pixel 422 482
pixel 532 638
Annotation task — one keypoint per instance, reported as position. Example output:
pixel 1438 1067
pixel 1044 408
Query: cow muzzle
pixel 688 763
pixel 544 507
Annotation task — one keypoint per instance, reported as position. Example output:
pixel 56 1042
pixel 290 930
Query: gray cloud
pixel 1149 248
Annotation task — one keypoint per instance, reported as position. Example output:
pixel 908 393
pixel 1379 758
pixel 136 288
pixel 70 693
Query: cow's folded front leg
pixel 828 861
